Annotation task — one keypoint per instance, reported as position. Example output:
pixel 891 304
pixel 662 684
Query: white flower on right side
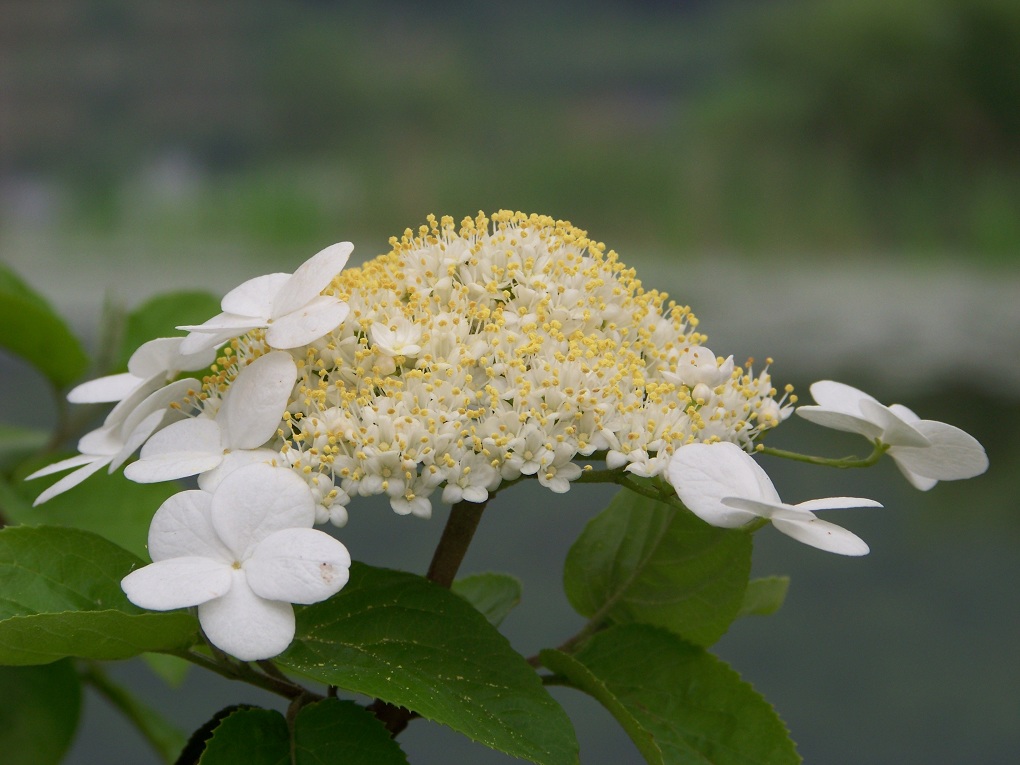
pixel 242 554
pixel 289 306
pixel 925 451
pixel 723 485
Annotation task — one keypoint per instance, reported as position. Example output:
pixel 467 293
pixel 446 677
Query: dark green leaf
pixel 495 595
pixel 333 731
pixel 107 504
pixel 30 328
pixel 407 641
pixel 679 704
pixel 645 561
pixel 249 737
pixel 60 596
pixel 160 316
pixel 39 712
pixel 765 596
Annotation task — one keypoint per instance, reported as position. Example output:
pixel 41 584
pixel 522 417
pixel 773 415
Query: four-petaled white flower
pixel 242 554
pixel 723 485
pixel 289 306
pixel 154 364
pixel 249 416
pixel 126 428
pixel 925 451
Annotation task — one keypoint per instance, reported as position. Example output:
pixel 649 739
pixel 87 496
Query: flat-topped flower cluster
pixel 466 358
pixel 502 349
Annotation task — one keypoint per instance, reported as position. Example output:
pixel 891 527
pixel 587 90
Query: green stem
pixel 277 682
pixel 453 544
pixel 843 462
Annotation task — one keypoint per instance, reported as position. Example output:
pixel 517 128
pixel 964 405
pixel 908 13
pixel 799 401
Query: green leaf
pixel 107 504
pixel 407 641
pixel 325 732
pixel 248 737
pixel 39 712
pixel 30 328
pixel 160 316
pixel 648 562
pixel 765 596
pixel 679 704
pixel 61 596
pixel 164 737
pixel 333 731
pixel 495 595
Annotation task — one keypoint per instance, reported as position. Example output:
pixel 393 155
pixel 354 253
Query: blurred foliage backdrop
pixel 829 126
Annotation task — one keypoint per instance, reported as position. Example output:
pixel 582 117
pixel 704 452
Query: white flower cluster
pixel 465 358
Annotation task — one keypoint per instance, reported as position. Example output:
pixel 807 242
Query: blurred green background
pixel 833 183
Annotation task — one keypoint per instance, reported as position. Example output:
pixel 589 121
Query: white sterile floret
pixel 290 307
pixel 154 364
pixel 723 485
pixel 126 428
pixel 248 417
pixel 925 451
pixel 242 554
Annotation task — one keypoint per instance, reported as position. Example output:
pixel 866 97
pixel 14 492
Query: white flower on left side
pixel 723 485
pixel 925 451
pixel 290 306
pixel 248 417
pixel 243 554
pixel 154 364
pixel 126 428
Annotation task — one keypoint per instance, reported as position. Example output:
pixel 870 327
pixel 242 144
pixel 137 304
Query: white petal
pixel 254 501
pixel 836 503
pixel 839 397
pixel 177 583
pixel 703 474
pixel 136 438
pixel 310 279
pixel 255 296
pixel 254 404
pixel 201 340
pixel 210 479
pixel 104 389
pixel 755 507
pixel 308 323
pixel 155 357
pixel 298 566
pixel 953 454
pixel 245 625
pixel 182 527
pixel 895 430
pixel 849 423
pixel 184 448
pixel 159 399
pixel 56 467
pixel 133 400
pixel 806 528
pixel 72 479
